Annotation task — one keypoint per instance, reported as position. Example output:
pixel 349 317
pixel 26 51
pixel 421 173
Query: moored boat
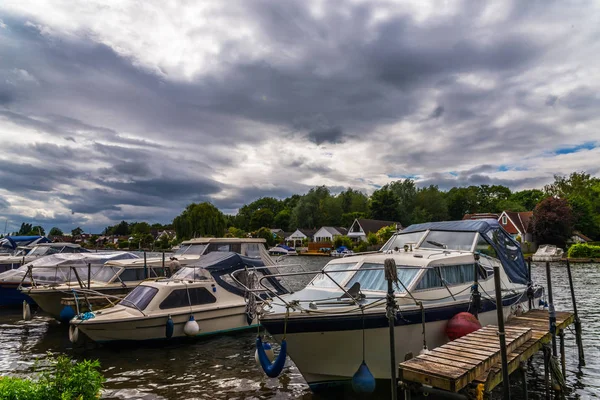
pixel 342 310
pixel 547 252
pixel 34 249
pixel 205 291
pixel 282 250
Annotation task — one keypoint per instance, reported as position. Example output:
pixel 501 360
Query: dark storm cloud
pixel 336 78
pixel 446 182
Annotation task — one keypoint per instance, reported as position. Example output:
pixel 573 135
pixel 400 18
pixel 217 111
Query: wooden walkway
pixel 475 358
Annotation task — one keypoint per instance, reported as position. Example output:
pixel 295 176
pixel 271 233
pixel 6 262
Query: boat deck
pixel 475 358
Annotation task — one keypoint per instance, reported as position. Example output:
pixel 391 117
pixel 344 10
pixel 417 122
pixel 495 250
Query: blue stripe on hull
pixel 11 296
pixel 345 322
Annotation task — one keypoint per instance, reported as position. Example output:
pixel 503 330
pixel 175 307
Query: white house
pixel 328 233
pixel 361 227
pixel 299 235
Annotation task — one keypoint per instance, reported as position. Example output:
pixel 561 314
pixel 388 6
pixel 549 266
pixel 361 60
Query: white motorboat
pixel 204 291
pixel 282 250
pixel 341 251
pixel 54 269
pixel 547 252
pixel 342 309
pixel 31 252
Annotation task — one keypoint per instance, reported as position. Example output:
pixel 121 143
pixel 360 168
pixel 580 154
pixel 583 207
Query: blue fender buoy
pixel 169 328
pixel 363 380
pixel 66 314
pixel 271 369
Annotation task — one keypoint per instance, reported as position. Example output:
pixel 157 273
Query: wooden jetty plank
pixel 423 368
pixel 451 351
pixel 466 348
pixel 456 361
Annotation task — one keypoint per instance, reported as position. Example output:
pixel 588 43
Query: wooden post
pixel 529 285
pixel 391 275
pixel 145 266
pixel 561 336
pixel 163 264
pixel 551 311
pixel 502 334
pixel 89 275
pixel 546 352
pixel 577 320
pixel 475 290
pixel 523 367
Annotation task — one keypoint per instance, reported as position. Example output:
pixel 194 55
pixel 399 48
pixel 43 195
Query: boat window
pixel 192 274
pixel 187 297
pixel 156 272
pixel 233 247
pixel 451 275
pixel 484 247
pixel 401 239
pixel 448 240
pixel 374 279
pixel 140 297
pixel 43 251
pixel 336 272
pixel 68 249
pixel 132 274
pixel 191 249
pixel 253 250
pixel 105 274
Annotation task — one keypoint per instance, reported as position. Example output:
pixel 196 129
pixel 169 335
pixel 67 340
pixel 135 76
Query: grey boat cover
pixel 507 249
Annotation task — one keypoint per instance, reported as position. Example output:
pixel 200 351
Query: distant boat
pixel 282 250
pixel 36 249
pixel 204 294
pixel 54 269
pixel 341 251
pixel 548 252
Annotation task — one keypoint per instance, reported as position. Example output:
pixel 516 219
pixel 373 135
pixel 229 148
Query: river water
pixel 224 367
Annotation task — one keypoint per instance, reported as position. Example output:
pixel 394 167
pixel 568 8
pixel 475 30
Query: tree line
pixel 400 201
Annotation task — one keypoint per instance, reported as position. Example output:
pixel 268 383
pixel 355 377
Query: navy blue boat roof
pixel 470 225
pixel 12 242
pixel 507 249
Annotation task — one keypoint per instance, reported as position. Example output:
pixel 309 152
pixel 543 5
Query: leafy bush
pixel 64 380
pixel 361 247
pixel 342 241
pixel 372 239
pixel 584 250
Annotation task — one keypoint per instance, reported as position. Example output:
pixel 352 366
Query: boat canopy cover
pixel 507 249
pixel 224 263
pixel 283 246
pixel 342 248
pixel 12 242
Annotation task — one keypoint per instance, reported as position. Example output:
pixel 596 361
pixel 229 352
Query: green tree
pixel 266 234
pixel 25 229
pixel 197 220
pixel 282 219
pixel 348 218
pixel 309 212
pixel 121 229
pixel 385 205
pixel 140 228
pixel 489 196
pixel 552 221
pixel 585 219
pixel 432 203
pixel 36 230
pixel 372 239
pixel 235 232
pixel 342 241
pixel 406 192
pixel 77 232
pixel 528 198
pixel 246 213
pixel 462 200
pixel 262 217
pixel 353 201
pixel 55 232
pixel 510 205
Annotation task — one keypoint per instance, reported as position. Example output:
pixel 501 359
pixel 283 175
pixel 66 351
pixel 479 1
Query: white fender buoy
pixel 73 333
pixel 424 351
pixel 26 311
pixel 268 351
pixel 191 328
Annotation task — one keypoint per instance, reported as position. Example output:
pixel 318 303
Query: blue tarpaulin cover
pixel 507 249
pixel 283 246
pixel 12 242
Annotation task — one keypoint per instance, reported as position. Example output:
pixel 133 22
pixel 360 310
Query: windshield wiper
pixel 437 244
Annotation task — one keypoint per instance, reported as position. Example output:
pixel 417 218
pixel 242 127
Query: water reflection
pixel 224 367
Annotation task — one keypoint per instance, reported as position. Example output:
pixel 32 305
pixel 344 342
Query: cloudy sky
pixel 115 110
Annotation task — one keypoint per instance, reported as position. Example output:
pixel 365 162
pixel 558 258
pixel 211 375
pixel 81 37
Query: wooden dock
pixel 475 358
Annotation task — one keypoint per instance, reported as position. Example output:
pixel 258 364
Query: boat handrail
pixel 267 267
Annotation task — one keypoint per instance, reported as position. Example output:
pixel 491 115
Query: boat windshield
pixel 448 240
pixel 43 251
pixel 398 241
pixel 374 279
pixel 192 274
pixel 336 272
pixel 105 273
pixel 140 297
pixel 191 249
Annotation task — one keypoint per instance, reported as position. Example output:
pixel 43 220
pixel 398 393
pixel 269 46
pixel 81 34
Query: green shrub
pixel 361 247
pixel 64 380
pixel 342 241
pixel 583 250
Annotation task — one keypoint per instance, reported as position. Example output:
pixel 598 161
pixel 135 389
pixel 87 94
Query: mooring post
pixel 391 275
pixel 577 320
pixel 551 311
pixel 523 367
pixel 529 285
pixel 563 364
pixel 89 275
pixel 502 334
pixel 145 266
pixel 546 352
pixel 163 264
pixel 476 296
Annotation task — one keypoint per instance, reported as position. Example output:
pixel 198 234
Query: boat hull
pixel 329 357
pixel 153 328
pixel 11 296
